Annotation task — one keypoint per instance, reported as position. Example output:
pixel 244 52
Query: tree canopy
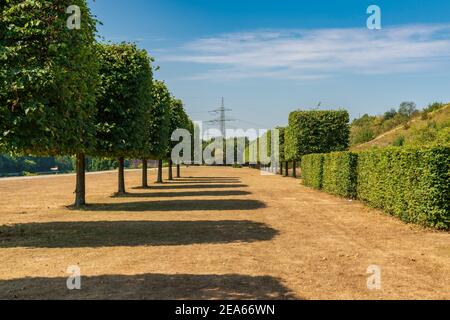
pixel 123 100
pixel 158 120
pixel 178 120
pixel 48 78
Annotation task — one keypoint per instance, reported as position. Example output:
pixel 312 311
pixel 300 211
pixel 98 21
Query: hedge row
pixel 312 170
pixel 265 142
pixel 317 131
pixel 340 174
pixel 410 183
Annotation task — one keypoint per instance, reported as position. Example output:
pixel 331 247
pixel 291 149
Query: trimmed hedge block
pixel 312 170
pixel 317 131
pixel 410 183
pixel 339 174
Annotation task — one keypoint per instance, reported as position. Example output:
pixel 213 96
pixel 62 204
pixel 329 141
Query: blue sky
pixel 269 57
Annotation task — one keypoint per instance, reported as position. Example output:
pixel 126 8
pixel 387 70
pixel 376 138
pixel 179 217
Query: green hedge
pixel 317 131
pixel 312 170
pixel 281 131
pixel 265 141
pixel 339 174
pixel 412 184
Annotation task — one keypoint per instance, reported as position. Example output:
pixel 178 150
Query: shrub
pixel 316 132
pixel 339 174
pixel 362 135
pixel 399 141
pixel 312 170
pixel 433 107
pixel 410 183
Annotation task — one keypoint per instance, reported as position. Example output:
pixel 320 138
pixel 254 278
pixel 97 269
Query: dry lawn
pixel 217 233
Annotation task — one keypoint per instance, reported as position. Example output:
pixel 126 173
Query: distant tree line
pixel 29 165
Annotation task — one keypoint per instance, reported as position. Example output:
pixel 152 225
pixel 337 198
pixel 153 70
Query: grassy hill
pixel 429 127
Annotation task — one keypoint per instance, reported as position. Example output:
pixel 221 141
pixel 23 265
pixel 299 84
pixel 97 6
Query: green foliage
pixel 443 136
pixel 264 143
pixel 316 132
pixel 237 157
pixel 407 109
pixel 178 119
pixel 281 131
pixel 433 107
pixel 390 114
pixel 312 170
pixel 339 174
pixel 367 128
pixel 48 78
pixel 158 121
pixel 194 129
pixel 410 183
pixel 432 132
pixel 29 174
pixel 102 164
pixel 362 135
pixel 123 101
pixel 16 165
pixel 399 141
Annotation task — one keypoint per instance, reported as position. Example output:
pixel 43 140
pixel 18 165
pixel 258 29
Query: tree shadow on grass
pixel 179 205
pixel 209 178
pixel 150 287
pixel 203 182
pixel 132 233
pixel 192 186
pixel 201 193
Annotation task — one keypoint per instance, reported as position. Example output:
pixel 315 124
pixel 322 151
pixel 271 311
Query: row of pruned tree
pixel 64 93
pixel 316 131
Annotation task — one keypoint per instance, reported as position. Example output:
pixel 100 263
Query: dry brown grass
pixel 217 233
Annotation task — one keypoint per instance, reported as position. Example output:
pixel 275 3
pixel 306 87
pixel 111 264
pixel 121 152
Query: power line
pixel 222 120
pixel 253 123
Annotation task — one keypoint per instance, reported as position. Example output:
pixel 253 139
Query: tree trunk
pixel 121 176
pixel 178 171
pixel 281 168
pixel 286 174
pixel 144 173
pixel 170 170
pixel 80 191
pixel 294 169
pixel 160 168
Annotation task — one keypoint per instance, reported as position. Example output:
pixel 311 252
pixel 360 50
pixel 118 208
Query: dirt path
pixel 222 233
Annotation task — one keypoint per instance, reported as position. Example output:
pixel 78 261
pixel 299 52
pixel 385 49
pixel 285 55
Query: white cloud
pixel 318 53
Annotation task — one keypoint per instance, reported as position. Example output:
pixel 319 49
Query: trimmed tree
pixel 123 101
pixel 178 120
pixel 316 132
pixel 157 128
pixel 281 147
pixel 191 129
pixel 48 79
